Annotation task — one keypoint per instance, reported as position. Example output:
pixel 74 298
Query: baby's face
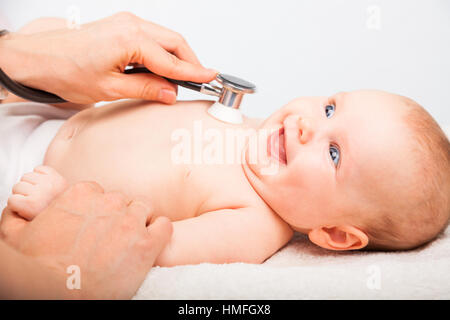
pixel 337 155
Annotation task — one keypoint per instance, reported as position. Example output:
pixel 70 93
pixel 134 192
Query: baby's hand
pixel 35 190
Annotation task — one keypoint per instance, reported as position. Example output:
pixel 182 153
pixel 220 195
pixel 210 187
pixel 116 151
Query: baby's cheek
pixel 307 169
pixel 311 181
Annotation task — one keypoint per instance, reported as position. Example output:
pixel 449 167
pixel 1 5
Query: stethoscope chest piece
pixel 233 90
pixel 230 98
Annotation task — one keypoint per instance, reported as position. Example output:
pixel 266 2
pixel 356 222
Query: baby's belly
pixel 129 150
pixel 122 149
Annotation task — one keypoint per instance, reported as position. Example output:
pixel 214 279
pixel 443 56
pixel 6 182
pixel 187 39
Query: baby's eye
pixel 335 155
pixel 329 110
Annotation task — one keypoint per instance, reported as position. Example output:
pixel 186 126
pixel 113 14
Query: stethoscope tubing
pixel 27 92
pixel 186 84
pixel 47 97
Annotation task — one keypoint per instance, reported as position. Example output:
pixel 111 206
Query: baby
pixel 358 170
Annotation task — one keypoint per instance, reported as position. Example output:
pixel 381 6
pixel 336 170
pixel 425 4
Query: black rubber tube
pixel 27 92
pixel 24 91
pixel 47 97
pixel 187 84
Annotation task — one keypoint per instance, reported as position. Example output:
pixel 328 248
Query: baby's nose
pixel 307 129
pixel 302 125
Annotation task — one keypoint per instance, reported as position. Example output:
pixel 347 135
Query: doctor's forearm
pixel 10 64
pixel 10 58
pixel 13 56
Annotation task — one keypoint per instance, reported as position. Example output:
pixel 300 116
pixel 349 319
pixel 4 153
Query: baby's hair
pixel 425 214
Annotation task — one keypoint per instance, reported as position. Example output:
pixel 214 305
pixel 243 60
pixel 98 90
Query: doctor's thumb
pixel 144 86
pixel 159 236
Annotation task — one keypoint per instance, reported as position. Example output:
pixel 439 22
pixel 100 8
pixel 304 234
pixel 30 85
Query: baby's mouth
pixel 276 146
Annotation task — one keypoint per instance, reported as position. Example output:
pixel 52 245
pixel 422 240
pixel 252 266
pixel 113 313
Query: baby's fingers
pixel 23 188
pixel 23 206
pixel 31 177
pixel 40 174
pixel 46 170
pixel 158 236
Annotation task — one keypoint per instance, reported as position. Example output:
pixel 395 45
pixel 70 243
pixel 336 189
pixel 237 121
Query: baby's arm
pixel 225 236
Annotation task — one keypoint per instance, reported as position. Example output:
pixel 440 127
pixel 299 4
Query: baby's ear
pixel 339 238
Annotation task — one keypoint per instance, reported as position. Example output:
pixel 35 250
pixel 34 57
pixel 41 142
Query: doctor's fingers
pixel 161 50
pixel 11 224
pixel 141 86
pixel 158 230
pixel 140 210
pixel 170 41
pixel 143 30
pixel 79 198
pixel 159 234
pixel 166 64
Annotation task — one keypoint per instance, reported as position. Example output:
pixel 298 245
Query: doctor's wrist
pixel 9 62
pixel 4 34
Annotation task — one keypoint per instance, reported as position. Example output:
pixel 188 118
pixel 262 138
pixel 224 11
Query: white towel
pixel 26 130
pixel 302 270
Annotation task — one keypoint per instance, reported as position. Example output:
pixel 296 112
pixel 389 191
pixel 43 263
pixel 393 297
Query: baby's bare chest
pixel 148 154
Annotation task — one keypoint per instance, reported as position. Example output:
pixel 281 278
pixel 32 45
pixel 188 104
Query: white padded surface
pixel 304 271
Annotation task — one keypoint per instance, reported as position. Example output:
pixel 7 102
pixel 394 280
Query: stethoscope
pixel 230 91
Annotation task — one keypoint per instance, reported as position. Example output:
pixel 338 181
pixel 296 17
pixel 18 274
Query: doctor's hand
pixel 85 64
pixel 102 242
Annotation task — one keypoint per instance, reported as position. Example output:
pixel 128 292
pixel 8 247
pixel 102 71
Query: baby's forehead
pixel 372 102
pixel 376 134
pixel 374 118
pixel 372 113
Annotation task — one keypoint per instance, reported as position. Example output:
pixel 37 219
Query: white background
pixel 291 48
